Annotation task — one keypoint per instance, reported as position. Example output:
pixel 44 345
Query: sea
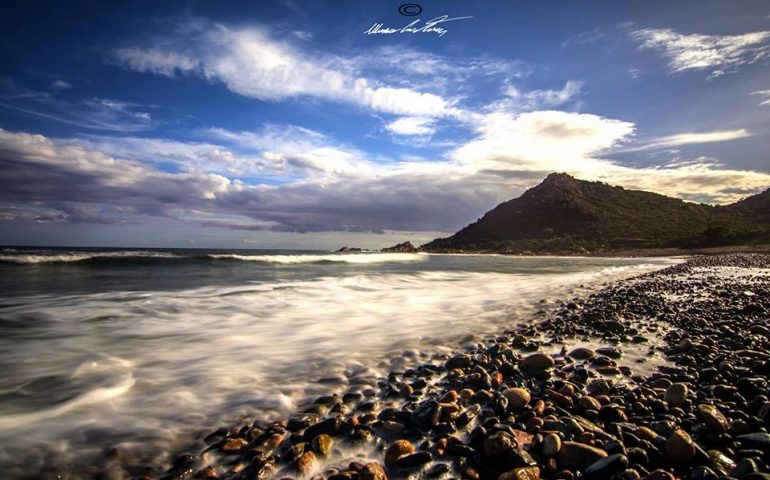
pixel 144 351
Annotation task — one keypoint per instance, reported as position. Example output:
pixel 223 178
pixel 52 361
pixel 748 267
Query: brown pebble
pixel 522 473
pixel 233 444
pixel 582 353
pixel 588 402
pixel 578 455
pixel 470 473
pixel 517 397
pixel 538 361
pixel 449 397
pixel 306 463
pixel 208 472
pixel 557 397
pixel 713 418
pixel 659 474
pixel 676 394
pixel 397 449
pixel 372 471
pixel 322 444
pixel 646 433
pixel 551 445
pixel 680 448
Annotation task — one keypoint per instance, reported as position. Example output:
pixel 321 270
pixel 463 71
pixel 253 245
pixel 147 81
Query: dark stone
pixel 414 460
pixel 330 426
pixel 703 473
pixel 607 467
pixel 757 440
pixel 427 415
pixel 458 361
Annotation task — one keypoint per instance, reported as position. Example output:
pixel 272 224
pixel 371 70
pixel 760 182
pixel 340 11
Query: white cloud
pixel 542 141
pixel 272 151
pixel 60 85
pixel 701 180
pixel 764 97
pixel 518 100
pixel 93 114
pixel 43 169
pixel 185 155
pixel 717 54
pixel 252 63
pixel 156 60
pixel 332 188
pixel 411 126
pixel 680 139
pixel 294 150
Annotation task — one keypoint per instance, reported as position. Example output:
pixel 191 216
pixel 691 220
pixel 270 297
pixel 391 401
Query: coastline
pixel 640 252
pixel 534 402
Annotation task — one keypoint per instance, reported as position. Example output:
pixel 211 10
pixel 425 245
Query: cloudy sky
pixel 300 124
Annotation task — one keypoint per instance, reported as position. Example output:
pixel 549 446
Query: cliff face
pixel 566 215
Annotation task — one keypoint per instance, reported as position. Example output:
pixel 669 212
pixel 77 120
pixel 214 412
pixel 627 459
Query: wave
pixel 73 257
pixel 358 258
pixel 215 354
pixel 90 377
pixel 149 257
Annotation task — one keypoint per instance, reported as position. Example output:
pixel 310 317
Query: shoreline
pixel 631 253
pixel 506 409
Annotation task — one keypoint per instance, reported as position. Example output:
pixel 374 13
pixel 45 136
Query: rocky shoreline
pixel 557 399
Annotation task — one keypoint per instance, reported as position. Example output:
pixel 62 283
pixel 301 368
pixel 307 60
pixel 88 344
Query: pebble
pixel 578 455
pixel 703 473
pixel 306 463
pixel 744 467
pixel 606 467
pixel 588 402
pixel 680 448
pixel 659 474
pixel 676 394
pixel 396 450
pixel 582 353
pixel 517 397
pixel 499 444
pixel 322 444
pixel 413 461
pixel 233 444
pixel 720 462
pixel 551 445
pixel 538 361
pixel 372 471
pixel 713 418
pixel 458 361
pixel 521 473
pixel 483 415
pixel 758 440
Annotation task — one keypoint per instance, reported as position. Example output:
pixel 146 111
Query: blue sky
pixel 284 124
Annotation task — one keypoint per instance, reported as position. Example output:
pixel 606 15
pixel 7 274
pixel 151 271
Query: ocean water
pixel 146 349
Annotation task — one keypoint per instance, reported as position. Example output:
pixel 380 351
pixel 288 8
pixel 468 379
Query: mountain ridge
pixel 564 215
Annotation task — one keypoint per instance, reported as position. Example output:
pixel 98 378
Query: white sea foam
pixel 197 358
pixel 358 258
pixel 69 257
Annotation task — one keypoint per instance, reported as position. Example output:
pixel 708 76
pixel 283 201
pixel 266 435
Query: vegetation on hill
pixel 566 215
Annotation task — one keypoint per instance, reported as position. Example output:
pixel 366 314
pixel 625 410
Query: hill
pixel 567 215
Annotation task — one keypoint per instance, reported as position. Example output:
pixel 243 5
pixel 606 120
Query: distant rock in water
pixel 564 215
pixel 350 249
pixel 405 247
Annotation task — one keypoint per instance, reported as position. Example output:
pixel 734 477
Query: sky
pixel 312 124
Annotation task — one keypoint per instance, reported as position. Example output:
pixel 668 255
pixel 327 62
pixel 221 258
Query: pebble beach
pixel 576 394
